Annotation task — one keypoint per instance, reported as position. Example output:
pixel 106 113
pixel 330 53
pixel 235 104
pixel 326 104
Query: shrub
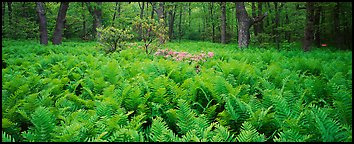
pixel 153 33
pixel 113 39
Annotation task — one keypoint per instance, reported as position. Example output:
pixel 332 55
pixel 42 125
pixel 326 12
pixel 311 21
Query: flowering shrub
pixel 179 56
pixel 114 39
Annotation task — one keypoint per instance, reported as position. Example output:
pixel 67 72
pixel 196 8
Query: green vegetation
pixel 74 92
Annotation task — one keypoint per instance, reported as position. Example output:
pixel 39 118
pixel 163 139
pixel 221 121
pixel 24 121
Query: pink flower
pixel 211 54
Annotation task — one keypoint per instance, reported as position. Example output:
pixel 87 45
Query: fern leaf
pixel 185 117
pixel 159 131
pixel 44 123
pixel 249 134
pixel 222 134
pixel 7 138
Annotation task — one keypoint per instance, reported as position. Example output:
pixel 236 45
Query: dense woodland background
pixel 284 23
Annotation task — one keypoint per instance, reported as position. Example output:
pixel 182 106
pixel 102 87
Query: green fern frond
pixel 249 134
pixel 190 136
pixel 329 129
pixel 159 131
pixel 126 135
pixel 7 138
pixel 136 122
pixel 222 134
pixel 291 136
pixel 44 124
pixel 186 117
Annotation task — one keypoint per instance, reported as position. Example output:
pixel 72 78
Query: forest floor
pixel 74 92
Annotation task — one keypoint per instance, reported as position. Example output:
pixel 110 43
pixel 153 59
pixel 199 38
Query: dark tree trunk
pixel 309 32
pixel 260 24
pixel 96 12
pixel 84 37
pixel 244 24
pixel 160 14
pixel 9 12
pixel 141 9
pixel 317 18
pixel 57 36
pixel 180 22
pixel 152 9
pixel 287 22
pixel 254 15
pixel 212 21
pixel 189 15
pixel 115 12
pixel 3 13
pixel 336 22
pixel 42 24
pixel 171 22
pixel 223 22
pixel 276 22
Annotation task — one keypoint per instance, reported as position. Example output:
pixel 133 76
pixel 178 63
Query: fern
pixel 159 131
pixel 7 138
pixel 186 117
pixel 222 134
pixel 249 134
pixel 291 136
pixel 44 123
pixel 328 128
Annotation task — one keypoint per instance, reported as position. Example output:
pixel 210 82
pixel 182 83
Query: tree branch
pixel 258 18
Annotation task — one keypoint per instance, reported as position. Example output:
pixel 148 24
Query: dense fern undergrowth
pixel 73 92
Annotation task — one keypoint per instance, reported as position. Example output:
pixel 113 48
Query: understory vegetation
pixel 73 92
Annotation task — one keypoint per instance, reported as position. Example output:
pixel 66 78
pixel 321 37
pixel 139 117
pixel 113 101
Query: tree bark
pixel 317 18
pixel 96 12
pixel 212 20
pixel 160 14
pixel 171 22
pixel 287 22
pixel 276 22
pixel 57 36
pixel 336 22
pixel 42 24
pixel 180 22
pixel 254 15
pixel 309 26
pixel 260 24
pixel 3 13
pixel 9 12
pixel 244 24
pixel 223 22
pixel 153 9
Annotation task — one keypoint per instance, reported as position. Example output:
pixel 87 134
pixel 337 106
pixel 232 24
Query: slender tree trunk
pixel 189 14
pixel 153 10
pixel 336 22
pixel 223 22
pixel 212 20
pixel 115 12
pixel 180 22
pixel 317 18
pixel 83 23
pixel 276 21
pixel 172 14
pixel 3 13
pixel 309 26
pixel 9 12
pixel 57 36
pixel 260 24
pixel 42 24
pixel 244 24
pixel 287 22
pixel 254 15
pixel 160 14
pixel 96 12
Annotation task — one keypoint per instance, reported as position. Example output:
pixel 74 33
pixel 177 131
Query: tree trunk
pixel 317 18
pixel 42 24
pixel 115 12
pixel 287 22
pixel 309 26
pixel 57 36
pixel 336 22
pixel 153 10
pixel 212 20
pixel 3 13
pixel 160 14
pixel 254 15
pixel 244 24
pixel 171 22
pixel 180 22
pixel 96 12
pixel 223 22
pixel 260 24
pixel 9 12
pixel 276 22
pixel 189 14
